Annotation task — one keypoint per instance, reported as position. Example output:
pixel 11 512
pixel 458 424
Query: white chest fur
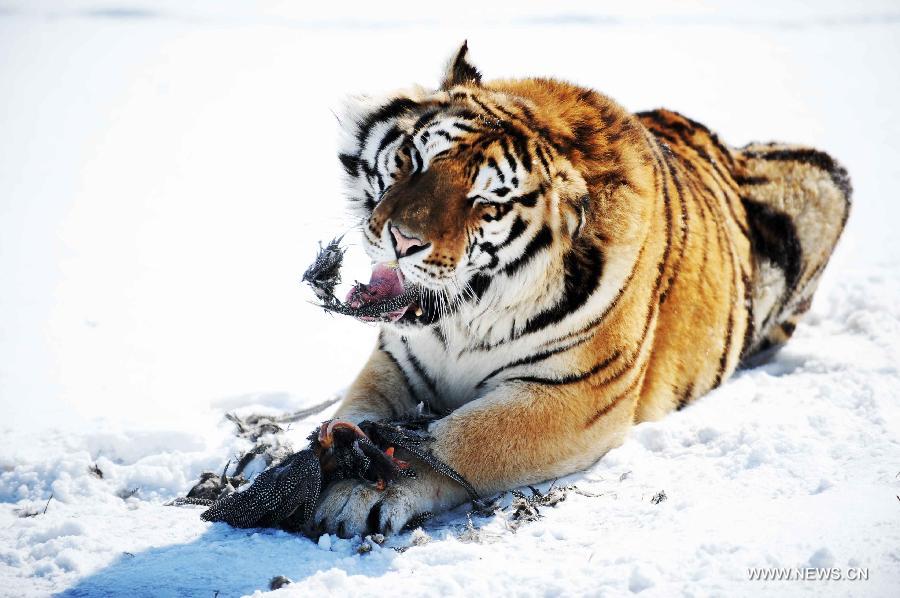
pixel 443 367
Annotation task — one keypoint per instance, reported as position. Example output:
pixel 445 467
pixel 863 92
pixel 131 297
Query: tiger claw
pixel 326 431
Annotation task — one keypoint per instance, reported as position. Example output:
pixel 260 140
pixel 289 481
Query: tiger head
pixel 472 192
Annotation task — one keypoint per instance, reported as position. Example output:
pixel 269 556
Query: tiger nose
pixel 403 245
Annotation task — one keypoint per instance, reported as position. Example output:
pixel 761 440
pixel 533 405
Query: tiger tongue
pixel 386 282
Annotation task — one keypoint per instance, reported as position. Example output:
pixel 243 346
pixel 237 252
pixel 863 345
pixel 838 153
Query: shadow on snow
pixel 225 562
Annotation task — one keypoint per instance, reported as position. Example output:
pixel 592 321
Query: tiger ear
pixel 460 71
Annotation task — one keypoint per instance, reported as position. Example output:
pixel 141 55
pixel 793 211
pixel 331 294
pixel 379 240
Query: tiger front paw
pixel 351 507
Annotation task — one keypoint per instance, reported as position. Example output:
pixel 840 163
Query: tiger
pixel 582 269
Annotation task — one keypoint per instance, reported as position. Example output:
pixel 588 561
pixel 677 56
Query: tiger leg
pixel 379 392
pixel 517 434
pixel 797 201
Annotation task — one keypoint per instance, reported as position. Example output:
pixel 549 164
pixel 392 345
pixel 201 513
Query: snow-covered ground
pixel 166 170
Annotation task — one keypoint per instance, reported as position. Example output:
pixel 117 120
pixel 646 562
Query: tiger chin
pixel 582 269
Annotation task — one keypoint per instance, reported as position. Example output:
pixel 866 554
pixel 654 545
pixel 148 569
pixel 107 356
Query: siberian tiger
pixel 582 268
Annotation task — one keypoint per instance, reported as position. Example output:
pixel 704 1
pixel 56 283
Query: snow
pixel 166 171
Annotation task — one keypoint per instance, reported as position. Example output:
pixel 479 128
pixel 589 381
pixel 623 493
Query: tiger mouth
pixel 387 298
